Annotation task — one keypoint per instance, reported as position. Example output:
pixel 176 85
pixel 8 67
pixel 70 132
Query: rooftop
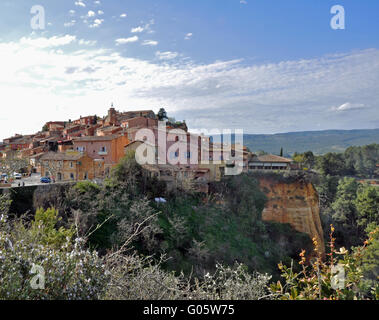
pixel 97 138
pixel 271 158
pixel 61 156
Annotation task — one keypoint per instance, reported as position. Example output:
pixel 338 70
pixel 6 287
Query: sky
pixel 264 66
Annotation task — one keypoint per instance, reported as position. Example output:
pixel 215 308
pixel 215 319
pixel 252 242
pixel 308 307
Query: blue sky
pixel 262 66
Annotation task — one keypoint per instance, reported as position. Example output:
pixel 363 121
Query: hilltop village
pixel 89 147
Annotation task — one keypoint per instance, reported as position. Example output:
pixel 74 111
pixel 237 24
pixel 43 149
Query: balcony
pixel 102 153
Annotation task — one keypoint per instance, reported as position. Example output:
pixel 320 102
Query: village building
pixel 114 118
pixel 55 125
pixel 35 162
pixel 139 122
pixel 109 149
pixel 88 120
pixel 65 145
pixel 70 166
pixel 107 131
pixel 269 162
pixel 7 141
pixel 180 177
pixel 21 143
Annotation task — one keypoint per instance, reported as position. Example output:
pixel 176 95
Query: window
pixel 174 155
pixel 103 149
pixel 71 164
pixel 188 154
pixel 72 176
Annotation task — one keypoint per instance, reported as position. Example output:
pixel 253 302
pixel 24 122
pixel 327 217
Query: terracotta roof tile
pixel 271 158
pixel 60 156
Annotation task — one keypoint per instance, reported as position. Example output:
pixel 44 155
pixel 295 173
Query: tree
pixel 371 255
pixel 362 160
pixel 162 114
pixel 345 212
pixel 281 152
pixel 12 163
pixel 307 158
pixel 367 204
pixel 332 163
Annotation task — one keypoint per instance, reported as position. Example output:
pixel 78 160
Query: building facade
pixel 70 166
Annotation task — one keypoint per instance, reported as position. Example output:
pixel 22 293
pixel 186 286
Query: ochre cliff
pixel 295 203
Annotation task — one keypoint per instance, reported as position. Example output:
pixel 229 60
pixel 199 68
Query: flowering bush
pixel 58 266
pixel 318 279
pixel 141 278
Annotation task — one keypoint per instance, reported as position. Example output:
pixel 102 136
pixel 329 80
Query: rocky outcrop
pixel 295 203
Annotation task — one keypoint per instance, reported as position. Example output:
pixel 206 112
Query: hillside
pixel 319 142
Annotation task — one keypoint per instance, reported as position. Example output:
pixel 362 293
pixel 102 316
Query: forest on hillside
pixel 320 142
pixel 356 161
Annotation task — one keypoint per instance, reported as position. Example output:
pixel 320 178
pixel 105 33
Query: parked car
pixel 45 180
pixel 17 176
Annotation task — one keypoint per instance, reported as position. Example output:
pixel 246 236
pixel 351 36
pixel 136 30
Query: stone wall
pixel 27 199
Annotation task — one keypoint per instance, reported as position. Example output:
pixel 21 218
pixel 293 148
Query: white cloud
pixel 148 26
pixel 188 36
pixel 69 24
pixel 100 12
pixel 63 83
pixel 48 42
pixel 91 13
pixel 137 30
pixel 96 23
pixel 71 12
pixel 348 106
pixel 97 2
pixel 123 15
pixel 80 3
pixel 87 42
pixel 168 55
pixel 126 40
pixel 149 43
pixel 243 1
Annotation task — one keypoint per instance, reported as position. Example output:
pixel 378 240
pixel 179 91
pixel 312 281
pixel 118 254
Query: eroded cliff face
pixel 295 203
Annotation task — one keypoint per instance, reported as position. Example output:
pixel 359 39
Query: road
pixel 34 180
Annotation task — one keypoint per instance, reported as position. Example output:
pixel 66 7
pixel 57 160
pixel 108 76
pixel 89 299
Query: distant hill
pixel 319 142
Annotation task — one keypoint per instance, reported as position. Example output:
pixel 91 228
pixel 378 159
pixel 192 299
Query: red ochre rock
pixel 295 203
